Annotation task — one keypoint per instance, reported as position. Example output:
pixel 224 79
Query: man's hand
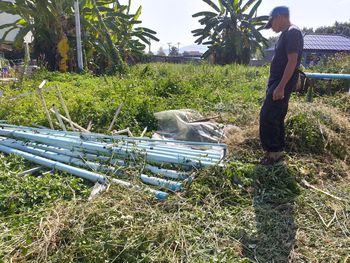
pixel 278 93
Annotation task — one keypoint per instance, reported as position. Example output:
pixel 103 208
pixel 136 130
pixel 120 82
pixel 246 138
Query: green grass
pixel 243 212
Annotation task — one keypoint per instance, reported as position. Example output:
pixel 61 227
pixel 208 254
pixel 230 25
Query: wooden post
pixel 75 125
pixel 115 117
pixel 130 133
pixel 143 133
pixel 59 117
pixel 89 125
pixel 120 132
pixel 64 107
pixel 44 103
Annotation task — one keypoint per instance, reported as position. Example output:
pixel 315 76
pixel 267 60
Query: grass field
pixel 243 212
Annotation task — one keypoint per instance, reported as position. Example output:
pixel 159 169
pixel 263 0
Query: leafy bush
pixel 304 134
pixel 339 63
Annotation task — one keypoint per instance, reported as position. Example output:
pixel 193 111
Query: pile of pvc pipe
pixel 93 156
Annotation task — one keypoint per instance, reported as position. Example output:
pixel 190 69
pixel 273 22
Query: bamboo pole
pixel 44 104
pixel 115 117
pixel 121 131
pixel 130 133
pixel 30 171
pixel 64 107
pixel 42 84
pixel 75 125
pixel 89 126
pixel 59 117
pixel 308 185
pixel 143 133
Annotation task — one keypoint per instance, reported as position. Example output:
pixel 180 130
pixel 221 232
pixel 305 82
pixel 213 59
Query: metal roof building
pixel 317 47
pixel 326 43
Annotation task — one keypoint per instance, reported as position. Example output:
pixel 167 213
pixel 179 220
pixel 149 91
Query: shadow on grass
pixel 275 190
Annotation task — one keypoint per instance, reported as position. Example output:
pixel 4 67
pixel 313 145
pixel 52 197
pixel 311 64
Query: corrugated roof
pixel 326 42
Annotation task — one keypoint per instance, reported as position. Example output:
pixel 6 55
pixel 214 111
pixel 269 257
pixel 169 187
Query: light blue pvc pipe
pixel 160 148
pixel 75 161
pixel 94 177
pixel 142 145
pixel 174 186
pixel 170 148
pixel 166 172
pixel 149 141
pixel 134 154
pixel 91 157
pixel 178 155
pixel 150 156
pixel 62 151
pixel 94 136
pixel 327 76
pixel 56 156
pixel 74 152
pixel 160 151
pixel 158 194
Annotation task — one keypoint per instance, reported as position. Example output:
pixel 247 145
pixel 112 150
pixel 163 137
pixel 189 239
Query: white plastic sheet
pixel 184 125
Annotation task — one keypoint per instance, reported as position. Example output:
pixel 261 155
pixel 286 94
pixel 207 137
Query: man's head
pixel 279 19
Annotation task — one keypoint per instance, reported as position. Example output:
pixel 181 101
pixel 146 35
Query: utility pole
pixel 149 45
pixel 178 48
pixel 169 44
pixel 78 33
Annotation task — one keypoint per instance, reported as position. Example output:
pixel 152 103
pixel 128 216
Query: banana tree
pixel 113 27
pixel 109 34
pixel 231 30
pixel 133 39
pixel 101 37
pixel 49 21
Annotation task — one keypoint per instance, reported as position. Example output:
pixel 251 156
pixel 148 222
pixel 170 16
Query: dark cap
pixel 277 11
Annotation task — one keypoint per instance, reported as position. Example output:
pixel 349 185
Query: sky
pixel 173 22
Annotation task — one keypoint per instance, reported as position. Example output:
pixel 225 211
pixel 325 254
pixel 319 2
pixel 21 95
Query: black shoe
pixel 272 158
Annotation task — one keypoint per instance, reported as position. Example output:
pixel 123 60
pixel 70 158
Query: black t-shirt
pixel 290 41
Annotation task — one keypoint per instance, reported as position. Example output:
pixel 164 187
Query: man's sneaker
pixel 272 158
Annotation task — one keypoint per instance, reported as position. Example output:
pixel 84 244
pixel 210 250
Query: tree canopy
pixel 337 28
pixel 231 30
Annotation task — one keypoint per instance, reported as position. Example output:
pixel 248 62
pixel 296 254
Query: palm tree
pixel 231 31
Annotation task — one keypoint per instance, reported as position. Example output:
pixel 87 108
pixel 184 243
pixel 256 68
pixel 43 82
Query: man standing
pixel 283 77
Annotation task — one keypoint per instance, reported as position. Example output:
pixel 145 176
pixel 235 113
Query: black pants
pixel 272 116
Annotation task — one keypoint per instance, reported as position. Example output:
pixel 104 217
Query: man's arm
pixel 278 93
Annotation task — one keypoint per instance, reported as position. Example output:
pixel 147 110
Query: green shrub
pixel 304 134
pixel 340 64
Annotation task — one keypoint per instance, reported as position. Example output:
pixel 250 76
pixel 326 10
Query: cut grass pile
pixel 243 212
